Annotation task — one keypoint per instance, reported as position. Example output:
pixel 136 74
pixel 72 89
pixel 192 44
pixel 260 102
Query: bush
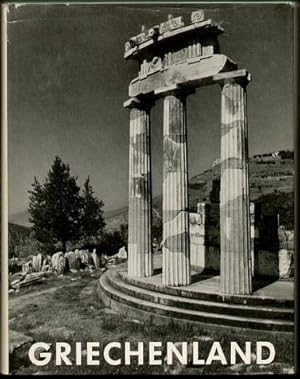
pixel 31 246
pixel 279 203
pixel 111 242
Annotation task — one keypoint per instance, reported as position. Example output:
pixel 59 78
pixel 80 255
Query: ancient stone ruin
pixel 175 58
pixel 36 268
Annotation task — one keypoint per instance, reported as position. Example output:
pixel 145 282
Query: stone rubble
pixel 36 269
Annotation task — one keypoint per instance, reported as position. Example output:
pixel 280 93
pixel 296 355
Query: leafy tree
pixel 92 221
pixel 55 207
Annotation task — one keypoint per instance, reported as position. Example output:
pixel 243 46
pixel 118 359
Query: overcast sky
pixel 67 81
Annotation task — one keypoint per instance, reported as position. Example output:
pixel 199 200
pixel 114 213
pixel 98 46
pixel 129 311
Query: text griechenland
pixel 151 353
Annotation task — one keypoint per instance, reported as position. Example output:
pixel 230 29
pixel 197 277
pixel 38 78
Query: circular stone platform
pixel 270 308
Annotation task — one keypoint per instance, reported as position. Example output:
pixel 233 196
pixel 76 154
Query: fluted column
pixel 234 196
pixel 176 240
pixel 140 211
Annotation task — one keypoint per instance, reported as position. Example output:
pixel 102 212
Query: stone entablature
pixel 172 43
pixel 166 32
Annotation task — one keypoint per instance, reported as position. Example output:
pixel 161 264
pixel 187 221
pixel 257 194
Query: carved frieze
pixel 171 24
pixel 197 16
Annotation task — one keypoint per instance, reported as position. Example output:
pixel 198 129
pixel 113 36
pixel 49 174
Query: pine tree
pixel 92 221
pixel 55 207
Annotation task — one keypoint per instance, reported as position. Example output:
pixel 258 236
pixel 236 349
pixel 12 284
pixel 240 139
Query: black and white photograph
pixel 148 168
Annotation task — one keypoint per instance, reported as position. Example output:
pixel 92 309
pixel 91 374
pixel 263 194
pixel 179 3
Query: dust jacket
pixel 147 188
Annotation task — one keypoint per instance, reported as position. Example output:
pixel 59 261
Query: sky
pixel 67 81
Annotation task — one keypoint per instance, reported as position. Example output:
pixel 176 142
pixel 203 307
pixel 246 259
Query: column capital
pixel 242 77
pixel 175 89
pixel 142 104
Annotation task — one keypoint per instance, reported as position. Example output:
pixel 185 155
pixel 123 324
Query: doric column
pixel 234 196
pixel 176 239
pixel 140 211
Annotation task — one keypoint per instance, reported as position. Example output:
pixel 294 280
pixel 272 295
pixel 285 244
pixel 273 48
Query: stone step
pixel 211 296
pixel 199 305
pixel 115 297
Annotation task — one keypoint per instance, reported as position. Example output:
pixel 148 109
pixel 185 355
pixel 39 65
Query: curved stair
pixel 265 314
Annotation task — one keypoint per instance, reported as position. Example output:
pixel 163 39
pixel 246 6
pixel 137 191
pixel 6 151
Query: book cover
pixel 148 188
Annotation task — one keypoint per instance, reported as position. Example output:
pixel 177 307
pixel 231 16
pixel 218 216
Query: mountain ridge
pixel 267 173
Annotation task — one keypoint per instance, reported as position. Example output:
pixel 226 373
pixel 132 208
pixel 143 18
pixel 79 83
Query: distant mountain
pixel 20 218
pixel 20 230
pixel 268 174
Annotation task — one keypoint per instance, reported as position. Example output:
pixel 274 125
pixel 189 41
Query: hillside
pixel 267 176
pixel 19 231
pixel 16 234
pixel 19 218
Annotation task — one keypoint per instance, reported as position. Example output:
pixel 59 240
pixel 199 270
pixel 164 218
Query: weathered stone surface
pixel 46 263
pixel 197 240
pixel 171 24
pixel 236 276
pixel 286 263
pixel 16 278
pixel 176 242
pixel 62 266
pixel 27 267
pixel 55 260
pixel 199 71
pixel 74 260
pixel 157 35
pixel 252 236
pixel 197 16
pixel 122 253
pixel 96 259
pixel 37 262
pixel 33 278
pixel 84 257
pixel 139 217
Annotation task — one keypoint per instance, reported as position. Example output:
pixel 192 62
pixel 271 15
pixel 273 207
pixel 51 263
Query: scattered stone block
pixel 96 259
pixel 286 264
pixel 33 278
pixel 46 263
pixel 122 253
pixel 27 267
pixel 37 262
pixel 55 260
pixel 62 267
pixel 74 260
pixel 15 279
pixel 84 256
